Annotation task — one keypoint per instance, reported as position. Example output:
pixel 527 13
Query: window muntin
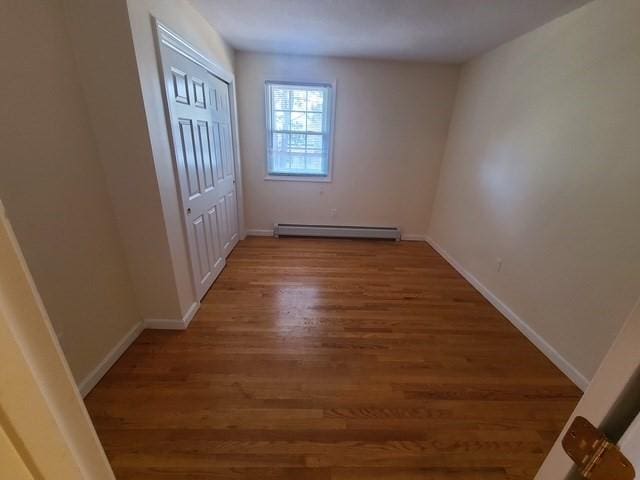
pixel 298 129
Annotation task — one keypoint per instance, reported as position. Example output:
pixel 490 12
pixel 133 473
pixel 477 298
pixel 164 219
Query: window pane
pixel 281 142
pixel 299 100
pixel 315 100
pixel 281 121
pixel 298 143
pixel 281 163
pixel 314 143
pixel 314 164
pixel 314 122
pixel 298 121
pixel 281 99
pixel 297 162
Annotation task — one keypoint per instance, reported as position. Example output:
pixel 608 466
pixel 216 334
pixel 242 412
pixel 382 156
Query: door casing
pixel 610 399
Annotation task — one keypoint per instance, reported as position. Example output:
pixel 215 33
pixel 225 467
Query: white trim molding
pixel 172 324
pixel 413 237
pixel 43 418
pixel 257 232
pixel 172 40
pixel 91 380
pixel 551 353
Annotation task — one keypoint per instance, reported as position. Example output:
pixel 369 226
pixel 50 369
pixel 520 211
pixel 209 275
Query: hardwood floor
pixel 333 359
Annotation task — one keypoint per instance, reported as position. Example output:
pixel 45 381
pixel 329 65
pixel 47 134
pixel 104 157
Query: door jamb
pixel 616 376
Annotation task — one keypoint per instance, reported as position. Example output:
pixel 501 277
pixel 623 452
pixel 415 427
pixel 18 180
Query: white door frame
pixel 167 37
pixel 630 443
pixel 45 430
pixel 600 404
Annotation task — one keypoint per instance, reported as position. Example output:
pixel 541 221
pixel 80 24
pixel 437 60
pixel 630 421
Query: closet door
pixel 194 126
pixel 225 174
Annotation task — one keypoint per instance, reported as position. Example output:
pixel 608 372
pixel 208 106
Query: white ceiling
pixel 434 30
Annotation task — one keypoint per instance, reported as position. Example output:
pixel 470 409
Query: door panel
pixel 232 217
pixel 228 156
pixel 208 161
pixel 200 235
pixel 198 93
pixel 215 256
pixel 224 225
pixel 218 152
pixel 189 160
pixel 180 88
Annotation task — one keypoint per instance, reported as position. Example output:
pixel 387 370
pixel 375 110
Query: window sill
pixel 299 178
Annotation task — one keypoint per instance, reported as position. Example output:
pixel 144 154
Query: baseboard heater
pixel 295 230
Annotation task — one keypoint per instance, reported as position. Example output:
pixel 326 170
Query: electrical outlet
pixel 499 265
pixel 334 212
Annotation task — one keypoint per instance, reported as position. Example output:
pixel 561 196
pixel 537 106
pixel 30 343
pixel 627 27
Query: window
pixel 299 130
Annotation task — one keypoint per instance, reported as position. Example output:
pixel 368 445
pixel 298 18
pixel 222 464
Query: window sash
pixel 287 159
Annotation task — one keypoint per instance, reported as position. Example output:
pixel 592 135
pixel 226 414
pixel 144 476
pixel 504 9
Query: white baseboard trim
pixel 413 237
pixel 172 324
pixel 256 232
pixel 551 353
pixel 90 381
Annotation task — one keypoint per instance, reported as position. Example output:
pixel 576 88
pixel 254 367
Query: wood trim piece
pixel 551 353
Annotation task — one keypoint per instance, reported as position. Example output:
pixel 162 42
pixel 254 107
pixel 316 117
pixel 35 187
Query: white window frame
pixel 330 118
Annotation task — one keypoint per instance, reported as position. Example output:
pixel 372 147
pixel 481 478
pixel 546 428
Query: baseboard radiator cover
pixel 337 231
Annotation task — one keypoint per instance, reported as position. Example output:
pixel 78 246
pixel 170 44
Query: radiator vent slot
pixel 338 231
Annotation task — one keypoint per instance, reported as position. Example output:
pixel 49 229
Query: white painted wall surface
pixel 391 124
pixel 542 170
pixel 103 47
pixel 54 190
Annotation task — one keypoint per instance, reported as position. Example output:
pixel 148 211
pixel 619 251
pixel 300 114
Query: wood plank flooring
pixel 333 360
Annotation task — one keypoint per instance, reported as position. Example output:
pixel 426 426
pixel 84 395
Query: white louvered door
pixel 191 93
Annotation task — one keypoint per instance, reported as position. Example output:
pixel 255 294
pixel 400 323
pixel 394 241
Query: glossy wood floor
pixel 333 359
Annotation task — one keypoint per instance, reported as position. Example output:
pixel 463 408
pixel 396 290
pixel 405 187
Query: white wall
pixel 182 18
pixel 390 131
pixel 542 170
pixel 114 44
pixel 53 187
pixel 103 47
